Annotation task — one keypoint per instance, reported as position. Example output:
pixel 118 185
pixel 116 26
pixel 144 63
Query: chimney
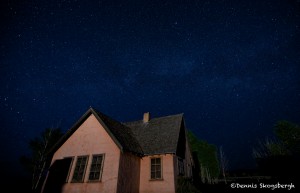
pixel 146 117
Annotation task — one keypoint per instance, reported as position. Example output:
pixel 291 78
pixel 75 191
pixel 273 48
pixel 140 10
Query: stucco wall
pixel 166 184
pixel 129 173
pixel 91 138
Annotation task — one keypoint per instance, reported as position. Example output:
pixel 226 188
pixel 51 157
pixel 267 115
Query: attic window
pixel 156 168
pixel 80 169
pixel 96 167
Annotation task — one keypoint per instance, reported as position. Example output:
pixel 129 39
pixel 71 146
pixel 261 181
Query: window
pixel 156 168
pixel 96 167
pixel 180 166
pixel 80 169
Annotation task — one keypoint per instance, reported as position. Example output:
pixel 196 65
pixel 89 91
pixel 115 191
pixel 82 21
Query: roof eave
pixel 161 153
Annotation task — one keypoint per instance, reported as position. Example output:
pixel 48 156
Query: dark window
pixel 156 168
pixel 96 167
pixel 80 169
pixel 180 166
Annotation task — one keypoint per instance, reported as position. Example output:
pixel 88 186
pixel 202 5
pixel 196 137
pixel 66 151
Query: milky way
pixel 232 67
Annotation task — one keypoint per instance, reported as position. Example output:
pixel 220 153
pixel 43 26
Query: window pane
pixel 99 160
pixel 157 160
pixel 79 169
pixel 152 161
pixel 97 175
pixel 155 168
pixel 91 175
pixel 158 174
pixel 152 175
pixel 95 170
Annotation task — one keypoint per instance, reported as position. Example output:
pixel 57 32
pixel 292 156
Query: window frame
pixel 84 170
pixel 100 169
pixel 155 164
pixel 180 165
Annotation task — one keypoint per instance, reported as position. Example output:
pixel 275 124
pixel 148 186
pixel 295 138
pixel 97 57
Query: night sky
pixel 232 67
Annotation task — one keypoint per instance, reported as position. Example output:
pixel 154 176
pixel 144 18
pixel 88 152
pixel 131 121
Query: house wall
pixel 129 173
pixel 176 171
pixel 167 184
pixel 91 138
pixel 188 162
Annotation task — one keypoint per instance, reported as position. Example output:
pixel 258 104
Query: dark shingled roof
pixel 122 133
pixel 159 135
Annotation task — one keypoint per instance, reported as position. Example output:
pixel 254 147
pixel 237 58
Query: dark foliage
pixel 38 161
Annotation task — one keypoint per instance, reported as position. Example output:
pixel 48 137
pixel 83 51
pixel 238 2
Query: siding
pixel 129 173
pixel 167 184
pixel 91 138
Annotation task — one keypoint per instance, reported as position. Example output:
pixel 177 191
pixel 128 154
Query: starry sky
pixel 232 67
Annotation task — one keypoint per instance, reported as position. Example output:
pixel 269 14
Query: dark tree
pixel 223 163
pixel 280 157
pixel 207 156
pixel 39 159
pixel 289 134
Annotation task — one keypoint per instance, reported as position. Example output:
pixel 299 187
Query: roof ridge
pixel 162 117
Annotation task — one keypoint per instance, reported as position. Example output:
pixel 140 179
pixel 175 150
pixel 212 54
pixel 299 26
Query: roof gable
pixel 120 134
